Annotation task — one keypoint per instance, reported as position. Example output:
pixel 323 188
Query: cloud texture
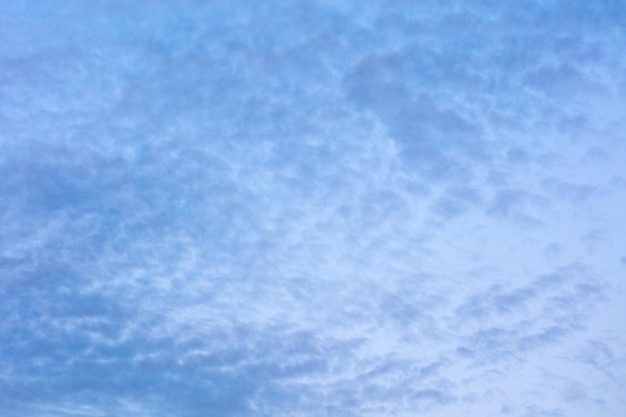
pixel 312 208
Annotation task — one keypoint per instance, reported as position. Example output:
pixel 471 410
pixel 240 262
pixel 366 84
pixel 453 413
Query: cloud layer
pixel 312 208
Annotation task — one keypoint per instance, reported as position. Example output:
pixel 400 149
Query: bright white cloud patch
pixel 312 208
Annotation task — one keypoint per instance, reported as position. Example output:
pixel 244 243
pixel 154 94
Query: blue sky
pixel 312 208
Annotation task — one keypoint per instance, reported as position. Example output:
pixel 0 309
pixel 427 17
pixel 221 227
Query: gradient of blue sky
pixel 312 208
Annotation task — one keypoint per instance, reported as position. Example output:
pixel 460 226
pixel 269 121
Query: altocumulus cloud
pixel 312 208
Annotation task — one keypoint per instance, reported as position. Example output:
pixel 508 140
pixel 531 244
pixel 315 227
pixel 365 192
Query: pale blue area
pixel 312 208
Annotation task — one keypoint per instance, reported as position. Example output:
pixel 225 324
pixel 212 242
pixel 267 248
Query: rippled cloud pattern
pixel 312 208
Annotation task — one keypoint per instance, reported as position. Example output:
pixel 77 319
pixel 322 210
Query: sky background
pixel 377 208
